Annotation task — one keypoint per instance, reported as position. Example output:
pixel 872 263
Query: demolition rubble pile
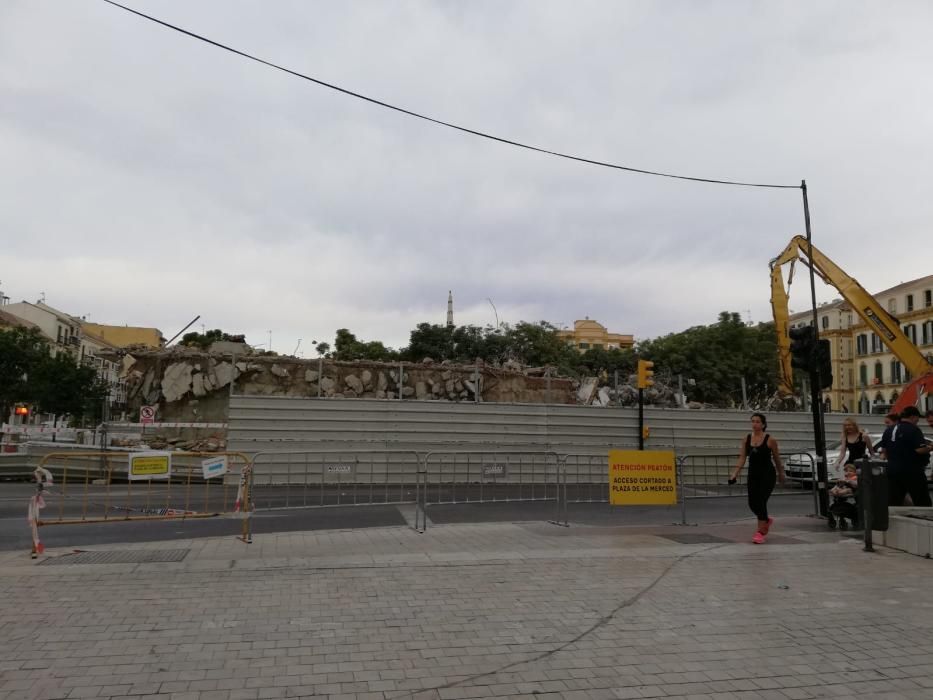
pixel 189 384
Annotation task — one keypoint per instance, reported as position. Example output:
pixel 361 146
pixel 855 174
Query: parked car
pixel 799 465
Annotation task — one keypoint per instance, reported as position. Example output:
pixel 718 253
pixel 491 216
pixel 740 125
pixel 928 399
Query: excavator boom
pixel 863 303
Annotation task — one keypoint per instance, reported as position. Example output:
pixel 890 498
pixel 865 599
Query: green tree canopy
pixel 58 385
pixel 347 347
pixel 28 374
pixel 21 351
pixel 205 340
pixel 717 357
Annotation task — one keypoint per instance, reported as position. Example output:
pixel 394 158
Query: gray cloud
pixel 149 178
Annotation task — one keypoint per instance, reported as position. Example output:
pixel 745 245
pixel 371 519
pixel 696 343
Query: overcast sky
pixel 148 177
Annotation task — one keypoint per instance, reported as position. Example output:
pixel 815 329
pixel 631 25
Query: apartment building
pixel 867 376
pixel 66 334
pixel 62 330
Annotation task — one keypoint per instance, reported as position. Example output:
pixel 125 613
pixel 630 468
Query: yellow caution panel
pixel 642 478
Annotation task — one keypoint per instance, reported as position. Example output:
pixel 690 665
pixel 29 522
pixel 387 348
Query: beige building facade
pixel 124 336
pixel 587 334
pixel 867 377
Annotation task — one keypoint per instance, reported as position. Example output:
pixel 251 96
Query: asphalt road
pixel 14 532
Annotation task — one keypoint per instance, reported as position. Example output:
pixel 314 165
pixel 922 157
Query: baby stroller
pixel 844 508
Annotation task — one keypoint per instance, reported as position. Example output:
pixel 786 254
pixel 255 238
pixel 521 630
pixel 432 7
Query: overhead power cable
pixel 440 122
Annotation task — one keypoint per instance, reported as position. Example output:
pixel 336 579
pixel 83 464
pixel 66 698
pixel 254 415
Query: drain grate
pixel 695 538
pixel 119 556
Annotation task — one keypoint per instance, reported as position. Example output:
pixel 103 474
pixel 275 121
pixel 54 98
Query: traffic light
pixel 645 374
pixel 802 347
pixel 824 362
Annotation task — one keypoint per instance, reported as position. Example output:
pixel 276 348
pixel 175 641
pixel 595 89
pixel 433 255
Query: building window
pixel 928 298
pixel 910 302
pixel 824 322
pixel 928 332
pixel 584 346
pixel 861 344
pixel 879 373
pixel 911 332
pixel 892 305
pixel 863 374
pixel 875 343
pixel 895 372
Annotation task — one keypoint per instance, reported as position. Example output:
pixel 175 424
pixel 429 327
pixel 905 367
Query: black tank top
pixel 759 457
pixel 856 449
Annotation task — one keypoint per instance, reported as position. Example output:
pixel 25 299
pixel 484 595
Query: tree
pixel 322 349
pixel 21 351
pixel 28 374
pixel 718 356
pixel 538 344
pixel 205 340
pixel 430 340
pixel 347 347
pixel 60 386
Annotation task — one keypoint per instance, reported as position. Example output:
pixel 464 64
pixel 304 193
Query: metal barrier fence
pixel 94 486
pixel 490 476
pixel 304 478
pixel 487 476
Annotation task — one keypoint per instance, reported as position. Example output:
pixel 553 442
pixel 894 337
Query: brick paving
pixel 475 611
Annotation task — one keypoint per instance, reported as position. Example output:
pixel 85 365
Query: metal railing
pixel 487 476
pixel 308 478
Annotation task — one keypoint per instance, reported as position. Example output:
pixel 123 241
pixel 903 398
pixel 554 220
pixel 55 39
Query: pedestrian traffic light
pixel 824 363
pixel 802 347
pixel 645 374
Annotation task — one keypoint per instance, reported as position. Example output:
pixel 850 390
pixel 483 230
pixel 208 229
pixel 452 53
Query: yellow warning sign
pixel 642 478
pixel 149 465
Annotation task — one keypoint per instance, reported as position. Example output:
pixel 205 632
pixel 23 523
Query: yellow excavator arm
pixel 863 303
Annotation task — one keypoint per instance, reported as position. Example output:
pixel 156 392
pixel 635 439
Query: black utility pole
pixel 641 419
pixel 815 383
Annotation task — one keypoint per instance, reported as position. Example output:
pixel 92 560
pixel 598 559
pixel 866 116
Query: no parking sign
pixel 147 414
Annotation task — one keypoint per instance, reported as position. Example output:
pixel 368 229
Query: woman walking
pixel 855 443
pixel 764 468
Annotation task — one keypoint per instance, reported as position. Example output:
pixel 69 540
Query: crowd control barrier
pixel 488 476
pixel 96 486
pixel 334 478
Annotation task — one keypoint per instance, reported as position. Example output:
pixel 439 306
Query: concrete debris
pixel 603 396
pixel 587 390
pixel 354 383
pixel 176 382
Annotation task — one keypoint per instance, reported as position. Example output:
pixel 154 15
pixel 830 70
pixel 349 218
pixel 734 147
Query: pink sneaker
pixel 768 526
pixel 758 538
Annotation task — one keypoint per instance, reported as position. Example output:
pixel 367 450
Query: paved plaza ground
pixel 472 610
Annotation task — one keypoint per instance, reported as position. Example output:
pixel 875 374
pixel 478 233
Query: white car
pixel 799 465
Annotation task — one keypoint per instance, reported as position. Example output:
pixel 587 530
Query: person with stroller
pixel 764 469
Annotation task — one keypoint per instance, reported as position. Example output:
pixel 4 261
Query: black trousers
pixel 912 481
pixel 761 483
